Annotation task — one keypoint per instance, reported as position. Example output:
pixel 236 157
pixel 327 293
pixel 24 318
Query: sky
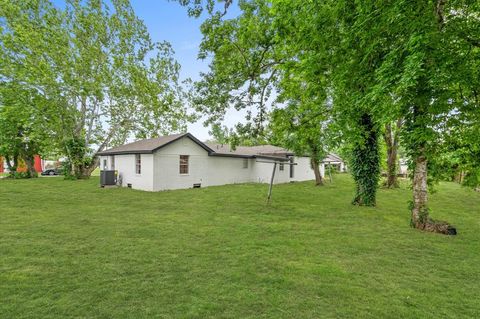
pixel 169 21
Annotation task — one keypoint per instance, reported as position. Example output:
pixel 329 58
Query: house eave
pixel 230 155
pixel 151 151
pixel 106 153
pixel 275 158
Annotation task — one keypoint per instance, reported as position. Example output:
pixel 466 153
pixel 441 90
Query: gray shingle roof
pixel 149 145
pixel 332 158
pixel 153 144
pixel 267 150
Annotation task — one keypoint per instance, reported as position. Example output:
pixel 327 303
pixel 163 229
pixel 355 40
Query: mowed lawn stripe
pixel 71 249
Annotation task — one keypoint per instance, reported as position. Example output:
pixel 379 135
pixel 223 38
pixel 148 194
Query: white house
pixel 182 161
pixel 335 161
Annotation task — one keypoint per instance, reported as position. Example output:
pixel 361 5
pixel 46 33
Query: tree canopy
pixel 95 63
pixel 360 66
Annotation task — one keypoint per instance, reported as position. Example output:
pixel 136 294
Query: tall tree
pixel 353 73
pixel 320 38
pixel 419 46
pixel 391 137
pixel 254 68
pixel 23 127
pixel 301 128
pixel 302 120
pixel 425 53
pixel 96 62
pixel 243 70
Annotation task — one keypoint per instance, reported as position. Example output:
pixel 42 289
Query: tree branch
pixel 440 14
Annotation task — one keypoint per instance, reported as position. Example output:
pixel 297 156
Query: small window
pixel 112 161
pixel 184 164
pixel 138 164
pixel 245 163
pixel 104 164
pixel 281 167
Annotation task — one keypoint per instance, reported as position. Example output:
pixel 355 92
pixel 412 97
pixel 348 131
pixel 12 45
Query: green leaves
pixel 95 63
pixel 23 128
pixel 243 71
pixel 259 65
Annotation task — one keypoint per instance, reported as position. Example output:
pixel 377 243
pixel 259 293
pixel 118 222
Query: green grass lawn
pixel 71 249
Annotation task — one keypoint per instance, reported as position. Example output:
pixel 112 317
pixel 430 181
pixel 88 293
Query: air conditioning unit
pixel 108 178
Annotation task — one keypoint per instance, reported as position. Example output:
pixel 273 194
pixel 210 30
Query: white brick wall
pixel 160 171
pixel 125 165
pixel 303 170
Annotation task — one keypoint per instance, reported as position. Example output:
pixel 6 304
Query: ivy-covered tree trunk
pixel 366 163
pixel 88 169
pixel 391 140
pixel 76 151
pixel 315 162
pixel 30 163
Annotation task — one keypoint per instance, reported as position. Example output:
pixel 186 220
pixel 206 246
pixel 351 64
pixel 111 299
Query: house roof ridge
pixel 149 145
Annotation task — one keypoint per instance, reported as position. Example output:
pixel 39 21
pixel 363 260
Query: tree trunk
pixel 84 171
pixel 87 171
pixel 365 165
pixel 391 140
pixel 76 150
pixel 420 213
pixel 12 168
pixel 420 192
pixel 30 163
pixel 316 169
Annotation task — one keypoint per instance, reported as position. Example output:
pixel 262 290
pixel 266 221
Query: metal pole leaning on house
pixel 273 175
pixel 271 182
pixel 330 171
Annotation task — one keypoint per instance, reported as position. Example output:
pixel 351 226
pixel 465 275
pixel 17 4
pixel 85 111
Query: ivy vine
pixel 365 163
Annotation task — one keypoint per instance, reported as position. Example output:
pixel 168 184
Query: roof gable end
pixel 191 137
pixel 148 146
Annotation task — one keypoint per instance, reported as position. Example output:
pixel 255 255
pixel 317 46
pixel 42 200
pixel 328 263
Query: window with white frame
pixel 138 164
pixel 281 167
pixel 104 164
pixel 112 162
pixel 245 163
pixel 183 164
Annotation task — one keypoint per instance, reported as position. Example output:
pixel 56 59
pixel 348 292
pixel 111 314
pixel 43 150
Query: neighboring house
pixel 182 161
pixel 403 167
pixel 335 161
pixel 38 165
